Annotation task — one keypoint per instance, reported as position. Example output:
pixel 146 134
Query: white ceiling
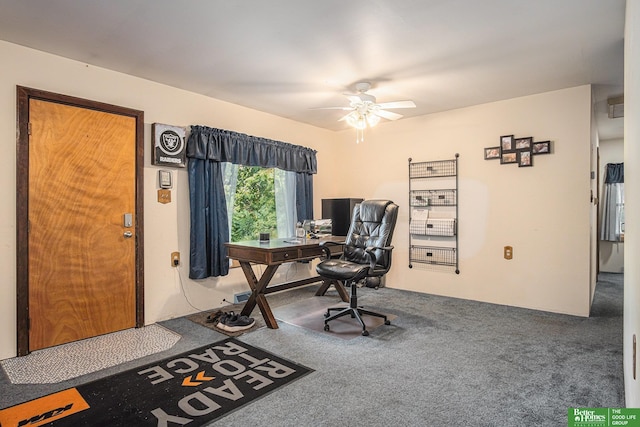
pixel 287 57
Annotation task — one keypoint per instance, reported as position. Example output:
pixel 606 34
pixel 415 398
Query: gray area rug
pixel 55 364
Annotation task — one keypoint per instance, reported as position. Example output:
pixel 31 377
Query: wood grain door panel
pixel 82 180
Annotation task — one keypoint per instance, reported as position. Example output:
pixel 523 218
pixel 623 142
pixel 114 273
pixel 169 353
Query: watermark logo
pixel 603 417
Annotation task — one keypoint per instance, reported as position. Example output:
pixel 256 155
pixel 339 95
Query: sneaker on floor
pixel 235 323
pixel 223 318
pixel 214 317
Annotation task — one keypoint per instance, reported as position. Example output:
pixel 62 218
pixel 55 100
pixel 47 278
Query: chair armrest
pixel 325 247
pixel 384 248
pixel 372 256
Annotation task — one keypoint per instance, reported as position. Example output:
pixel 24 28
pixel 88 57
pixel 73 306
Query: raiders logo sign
pixel 168 145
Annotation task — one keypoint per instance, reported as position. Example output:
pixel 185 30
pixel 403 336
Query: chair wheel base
pixel 326 327
pixel 386 322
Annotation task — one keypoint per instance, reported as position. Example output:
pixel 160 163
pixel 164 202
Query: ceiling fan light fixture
pixel 365 112
pixel 351 118
pixel 356 120
pixel 373 119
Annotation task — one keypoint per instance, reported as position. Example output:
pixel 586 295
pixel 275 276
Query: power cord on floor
pixel 184 293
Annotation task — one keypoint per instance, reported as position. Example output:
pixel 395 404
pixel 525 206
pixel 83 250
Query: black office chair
pixel 367 253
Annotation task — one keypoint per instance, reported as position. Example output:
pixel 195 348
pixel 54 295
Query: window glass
pixel 254 204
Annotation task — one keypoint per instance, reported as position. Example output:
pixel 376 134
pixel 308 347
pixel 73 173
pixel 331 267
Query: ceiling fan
pixel 364 111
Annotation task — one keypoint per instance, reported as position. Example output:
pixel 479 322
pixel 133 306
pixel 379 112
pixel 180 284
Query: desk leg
pixel 339 287
pixel 257 293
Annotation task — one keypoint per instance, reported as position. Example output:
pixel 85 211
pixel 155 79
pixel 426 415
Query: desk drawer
pixel 316 251
pixel 286 255
pixel 311 252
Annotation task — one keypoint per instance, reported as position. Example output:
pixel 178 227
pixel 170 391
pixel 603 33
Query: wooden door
pixel 83 278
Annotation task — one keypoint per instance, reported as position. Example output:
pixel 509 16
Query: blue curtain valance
pixel 614 173
pixel 227 146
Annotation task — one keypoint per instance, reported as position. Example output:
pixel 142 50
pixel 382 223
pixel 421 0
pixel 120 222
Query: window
pixel 259 200
pixel 254 208
pixel 211 207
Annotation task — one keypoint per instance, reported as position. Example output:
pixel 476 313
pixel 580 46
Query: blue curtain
pixel 612 226
pixel 304 196
pixel 206 149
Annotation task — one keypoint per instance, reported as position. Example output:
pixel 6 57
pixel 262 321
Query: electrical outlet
pixel 508 252
pixel 175 259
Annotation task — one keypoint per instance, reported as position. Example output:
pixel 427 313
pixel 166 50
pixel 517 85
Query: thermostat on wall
pixel 164 178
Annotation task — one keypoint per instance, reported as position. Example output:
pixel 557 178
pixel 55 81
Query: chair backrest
pixel 372 224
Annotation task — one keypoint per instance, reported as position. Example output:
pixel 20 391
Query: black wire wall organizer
pixel 433 213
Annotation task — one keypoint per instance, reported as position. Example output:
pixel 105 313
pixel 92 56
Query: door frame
pixel 24 95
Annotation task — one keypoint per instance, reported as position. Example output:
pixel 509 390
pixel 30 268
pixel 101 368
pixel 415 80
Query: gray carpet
pixel 450 362
pixel 442 362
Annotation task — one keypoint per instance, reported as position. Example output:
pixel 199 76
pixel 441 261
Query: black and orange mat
pixel 193 388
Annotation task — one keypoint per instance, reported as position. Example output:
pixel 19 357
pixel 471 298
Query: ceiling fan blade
pixel 353 98
pixel 397 104
pixel 360 97
pixel 333 108
pixel 388 115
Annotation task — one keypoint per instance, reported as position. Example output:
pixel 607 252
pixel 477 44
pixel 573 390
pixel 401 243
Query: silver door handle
pixel 128 234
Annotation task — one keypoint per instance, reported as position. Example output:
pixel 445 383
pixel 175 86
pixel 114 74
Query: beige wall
pixel 542 211
pixel 166 226
pixel 611 253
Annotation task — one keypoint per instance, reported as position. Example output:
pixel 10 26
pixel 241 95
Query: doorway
pixel 79 219
pixel 611 249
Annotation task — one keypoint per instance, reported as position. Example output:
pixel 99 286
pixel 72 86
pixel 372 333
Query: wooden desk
pixel 272 254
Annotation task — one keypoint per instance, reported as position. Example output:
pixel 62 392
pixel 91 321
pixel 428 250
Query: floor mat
pixel 192 388
pixel 55 364
pixel 309 313
pixel 202 319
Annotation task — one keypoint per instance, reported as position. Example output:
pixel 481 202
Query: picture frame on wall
pixel 509 158
pixel 491 153
pixel 169 145
pixel 543 147
pixel 506 143
pixel 525 159
pixel 517 150
pixel 523 143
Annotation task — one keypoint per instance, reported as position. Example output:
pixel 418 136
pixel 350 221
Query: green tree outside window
pixel 254 209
